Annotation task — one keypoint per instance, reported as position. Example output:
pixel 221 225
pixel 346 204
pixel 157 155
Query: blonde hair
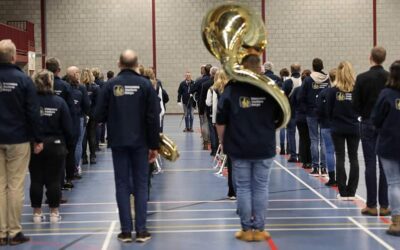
pixel 96 73
pixel 87 76
pixel 7 51
pixel 149 73
pixel 220 80
pixel 332 74
pixel 345 77
pixel 44 82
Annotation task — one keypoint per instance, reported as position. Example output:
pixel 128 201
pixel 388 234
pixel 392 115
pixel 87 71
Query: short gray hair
pixel 7 51
pixel 213 70
pixel 268 65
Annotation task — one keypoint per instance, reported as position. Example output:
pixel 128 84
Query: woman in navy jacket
pixel 386 118
pixel 345 129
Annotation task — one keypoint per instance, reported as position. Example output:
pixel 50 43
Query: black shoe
pixel 331 183
pixel 292 159
pixel 143 237
pixel 307 166
pixel 63 201
pixel 125 237
pixel 3 241
pixel 282 152
pixel 84 161
pixel 186 130
pixel 68 185
pixel 323 172
pixel 315 172
pixel 19 239
pixel 92 160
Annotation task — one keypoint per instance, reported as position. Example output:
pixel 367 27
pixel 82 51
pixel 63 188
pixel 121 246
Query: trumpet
pixel 230 32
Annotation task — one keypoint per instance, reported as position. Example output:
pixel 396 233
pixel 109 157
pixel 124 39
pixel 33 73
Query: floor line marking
pixel 107 240
pixel 374 236
pixel 306 185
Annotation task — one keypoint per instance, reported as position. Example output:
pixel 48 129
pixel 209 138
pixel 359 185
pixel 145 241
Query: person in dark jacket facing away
pixel 284 75
pixel 131 108
pixel 19 124
pixel 345 129
pixel 291 84
pixel 46 168
pixel 311 88
pixel 368 86
pixel 268 66
pixel 386 118
pixel 185 99
pixel 87 79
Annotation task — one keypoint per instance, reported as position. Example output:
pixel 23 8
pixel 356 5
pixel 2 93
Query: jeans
pixel 251 179
pixel 304 143
pixel 291 137
pixel 329 149
pixel 317 149
pixel 131 173
pixel 213 136
pixel 282 137
pixel 346 188
pixel 188 110
pixel 78 149
pixel 392 171
pixel 368 141
pixel 205 134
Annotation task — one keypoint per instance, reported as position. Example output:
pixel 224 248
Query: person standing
pixel 185 99
pixel 19 124
pixel 240 125
pixel 268 67
pixel 386 118
pixel 368 86
pixel 345 129
pixel 131 108
pixel 311 88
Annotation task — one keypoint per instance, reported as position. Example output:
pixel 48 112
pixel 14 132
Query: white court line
pixel 109 234
pixel 379 240
pixel 306 185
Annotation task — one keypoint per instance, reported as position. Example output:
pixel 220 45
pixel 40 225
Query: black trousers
pixel 231 190
pixel 45 171
pixel 304 143
pixel 90 138
pixel 346 188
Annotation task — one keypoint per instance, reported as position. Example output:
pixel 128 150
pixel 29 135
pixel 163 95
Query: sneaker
pixel 307 166
pixel 331 183
pixel 292 159
pixel 143 237
pixel 384 211
pixel 38 218
pixel 323 172
pixel 315 172
pixel 55 218
pixel 371 211
pixel 342 198
pixel 125 237
pixel 77 176
pixel 186 130
pixel 351 197
pixel 63 201
pixel 283 152
pixel 68 185
pixel 244 235
pixel 84 161
pixel 3 241
pixel 232 198
pixel 92 160
pixel 261 235
pixel 19 239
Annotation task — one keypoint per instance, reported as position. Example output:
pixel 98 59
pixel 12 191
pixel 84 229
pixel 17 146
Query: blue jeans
pixel 251 178
pixel 368 141
pixel 291 137
pixel 329 149
pixel 317 149
pixel 131 173
pixel 78 148
pixel 392 171
pixel 282 137
pixel 188 110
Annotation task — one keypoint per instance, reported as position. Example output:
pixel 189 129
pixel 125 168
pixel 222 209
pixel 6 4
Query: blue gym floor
pixel 188 209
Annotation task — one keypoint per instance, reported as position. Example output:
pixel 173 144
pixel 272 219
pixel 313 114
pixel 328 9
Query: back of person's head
pixel 8 51
pixel 141 69
pixel 252 62
pixel 207 69
pixel 96 73
pixel 44 81
pixel 394 76
pixel 284 73
pixel 213 71
pixel 305 73
pixel 53 65
pixel 317 65
pixel 332 74
pixel 345 77
pixel 128 60
pixel 378 55
pixel 87 76
pixel 110 74
pixel 149 73
pixel 220 80
pixel 295 68
pixel 268 66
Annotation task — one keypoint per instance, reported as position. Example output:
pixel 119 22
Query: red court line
pixel 271 244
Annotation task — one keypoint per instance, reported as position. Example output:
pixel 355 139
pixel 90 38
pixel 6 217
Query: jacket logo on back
pixel 119 90
pixel 249 102
pixel 7 86
pixel 319 85
pixel 398 104
pixel 341 96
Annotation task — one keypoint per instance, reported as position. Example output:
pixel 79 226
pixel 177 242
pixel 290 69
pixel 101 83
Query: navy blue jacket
pixel 322 109
pixel 386 118
pixel 196 90
pixel 19 107
pixel 343 117
pixel 81 100
pixel 92 91
pixel 298 108
pixel 287 87
pixel 203 96
pixel 274 77
pixel 63 89
pixel 99 82
pixel 311 88
pixel 55 118
pixel 184 91
pixel 130 106
pixel 368 86
pixel 250 117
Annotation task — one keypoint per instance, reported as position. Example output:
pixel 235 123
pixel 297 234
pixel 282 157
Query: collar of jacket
pixel 296 75
pixel 376 67
pixel 9 65
pixel 131 71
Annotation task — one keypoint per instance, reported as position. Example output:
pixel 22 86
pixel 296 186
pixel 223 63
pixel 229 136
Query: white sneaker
pixel 342 198
pixel 55 218
pixel 38 218
pixel 351 198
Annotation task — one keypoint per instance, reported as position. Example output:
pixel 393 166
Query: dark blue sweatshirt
pixel 92 91
pixel 343 117
pixel 299 108
pixel 130 106
pixel 81 100
pixel 322 109
pixel 55 118
pixel 386 117
pixel 250 117
pixel 311 88
pixel 274 77
pixel 184 91
pixel 287 87
pixel 63 89
pixel 19 107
